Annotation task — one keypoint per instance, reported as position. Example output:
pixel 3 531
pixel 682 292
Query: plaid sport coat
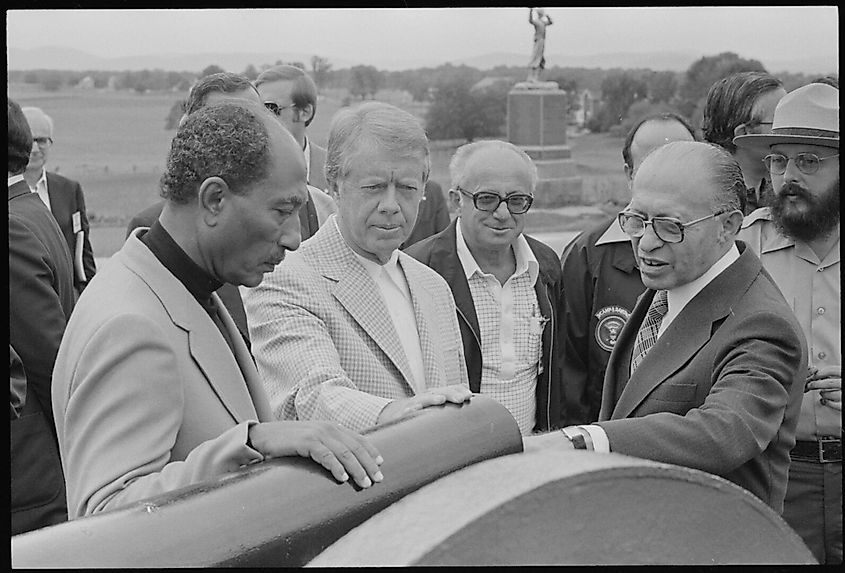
pixel 325 344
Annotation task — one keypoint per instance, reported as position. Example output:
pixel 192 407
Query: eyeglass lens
pixel 516 204
pixel 805 162
pixel 666 230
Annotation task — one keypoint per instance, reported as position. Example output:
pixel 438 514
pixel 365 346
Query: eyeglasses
pixel 43 141
pixel 517 203
pixel 276 108
pixel 807 163
pixel 667 229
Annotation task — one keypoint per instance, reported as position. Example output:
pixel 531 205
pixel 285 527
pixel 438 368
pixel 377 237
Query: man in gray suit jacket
pixel 153 387
pixel 708 371
pixel 350 328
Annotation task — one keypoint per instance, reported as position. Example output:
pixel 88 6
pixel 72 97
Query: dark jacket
pixel 41 297
pixel 66 200
pixel 601 283
pixel 440 253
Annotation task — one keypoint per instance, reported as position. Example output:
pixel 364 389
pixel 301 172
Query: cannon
pixel 457 490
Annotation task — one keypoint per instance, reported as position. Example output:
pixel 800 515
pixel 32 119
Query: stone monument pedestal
pixel 537 125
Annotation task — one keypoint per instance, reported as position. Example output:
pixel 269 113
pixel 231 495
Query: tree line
pixel 462 101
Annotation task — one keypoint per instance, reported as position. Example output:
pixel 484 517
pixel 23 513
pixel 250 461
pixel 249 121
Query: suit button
pixel 820 310
pixel 822 355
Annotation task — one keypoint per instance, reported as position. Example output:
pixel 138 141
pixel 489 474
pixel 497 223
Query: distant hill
pixel 60 58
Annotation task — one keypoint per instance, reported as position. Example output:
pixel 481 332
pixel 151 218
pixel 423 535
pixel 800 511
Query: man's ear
pixel 732 224
pixel 213 197
pixel 454 201
pixel 629 173
pixel 304 113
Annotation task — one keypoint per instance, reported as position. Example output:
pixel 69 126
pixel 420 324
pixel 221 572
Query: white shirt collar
pixel 678 297
pixel 307 151
pixel 15 179
pixel 525 259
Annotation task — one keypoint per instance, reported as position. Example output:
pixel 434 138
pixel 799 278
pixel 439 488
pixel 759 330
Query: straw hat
pixel 808 115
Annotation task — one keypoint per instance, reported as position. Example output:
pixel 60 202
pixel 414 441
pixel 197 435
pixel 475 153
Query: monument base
pixel 537 121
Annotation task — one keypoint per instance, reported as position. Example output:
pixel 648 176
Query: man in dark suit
pixel 709 370
pixel 41 298
pixel 62 196
pixel 291 95
pixel 601 282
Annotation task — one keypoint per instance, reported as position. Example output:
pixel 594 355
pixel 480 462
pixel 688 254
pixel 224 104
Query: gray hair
pixel 376 123
pixel 725 173
pixel 457 166
pixel 37 110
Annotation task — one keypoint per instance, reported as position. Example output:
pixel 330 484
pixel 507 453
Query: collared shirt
pixel 614 234
pixel 198 282
pixel 15 179
pixel 677 298
pixel 812 287
pixel 391 281
pixel 41 188
pixel 511 330
pixel 307 150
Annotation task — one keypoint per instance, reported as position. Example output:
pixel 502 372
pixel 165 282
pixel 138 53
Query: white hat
pixel 808 115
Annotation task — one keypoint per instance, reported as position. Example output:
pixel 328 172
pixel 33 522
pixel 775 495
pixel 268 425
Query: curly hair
pixel 730 102
pixel 227 140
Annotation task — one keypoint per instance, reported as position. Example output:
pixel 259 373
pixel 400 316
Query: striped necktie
pixel 647 335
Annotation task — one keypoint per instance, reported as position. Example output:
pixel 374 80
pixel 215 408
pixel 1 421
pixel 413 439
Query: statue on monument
pixel 538 18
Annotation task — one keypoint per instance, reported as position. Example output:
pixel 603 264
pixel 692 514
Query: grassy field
pixel 115 145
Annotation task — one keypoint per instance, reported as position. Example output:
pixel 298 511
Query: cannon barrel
pixel 571 508
pixel 281 512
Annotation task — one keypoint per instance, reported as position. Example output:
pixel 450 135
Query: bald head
pixel 41 126
pixel 650 133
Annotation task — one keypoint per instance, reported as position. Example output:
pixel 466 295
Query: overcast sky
pixel 377 35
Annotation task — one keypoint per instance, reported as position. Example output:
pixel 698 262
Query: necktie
pixel 647 335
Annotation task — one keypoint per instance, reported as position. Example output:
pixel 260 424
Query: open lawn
pixel 115 145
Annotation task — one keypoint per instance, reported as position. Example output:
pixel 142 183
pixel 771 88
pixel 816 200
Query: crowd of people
pixel 282 298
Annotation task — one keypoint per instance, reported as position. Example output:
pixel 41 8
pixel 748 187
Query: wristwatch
pixel 577 439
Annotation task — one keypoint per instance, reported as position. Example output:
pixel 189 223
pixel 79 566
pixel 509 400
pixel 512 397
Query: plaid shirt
pixel 511 330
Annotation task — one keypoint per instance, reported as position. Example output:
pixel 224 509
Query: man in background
pixel 601 282
pixel 708 371
pixel 744 104
pixel 797 238
pixel 62 196
pixel 41 297
pixel 291 95
pixel 350 328
pixel 210 89
pixel 153 388
pixel 506 285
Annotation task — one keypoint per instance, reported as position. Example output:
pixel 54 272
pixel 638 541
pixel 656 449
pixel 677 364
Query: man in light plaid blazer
pixel 349 328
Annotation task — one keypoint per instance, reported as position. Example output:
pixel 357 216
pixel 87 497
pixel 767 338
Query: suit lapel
pixel 356 291
pixel 687 334
pixel 424 311
pixel 224 372
pixel 59 201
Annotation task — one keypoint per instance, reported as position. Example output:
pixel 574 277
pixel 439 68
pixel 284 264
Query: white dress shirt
pixel 41 188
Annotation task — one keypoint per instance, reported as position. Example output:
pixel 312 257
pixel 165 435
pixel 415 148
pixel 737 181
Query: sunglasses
pixel 667 229
pixel 807 163
pixel 276 108
pixel 516 203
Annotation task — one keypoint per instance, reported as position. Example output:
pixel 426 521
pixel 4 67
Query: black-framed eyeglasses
pixel 807 163
pixel 276 108
pixel 667 229
pixel 516 203
pixel 43 141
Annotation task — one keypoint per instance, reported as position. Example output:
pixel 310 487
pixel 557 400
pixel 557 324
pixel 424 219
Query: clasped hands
pixel 828 380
